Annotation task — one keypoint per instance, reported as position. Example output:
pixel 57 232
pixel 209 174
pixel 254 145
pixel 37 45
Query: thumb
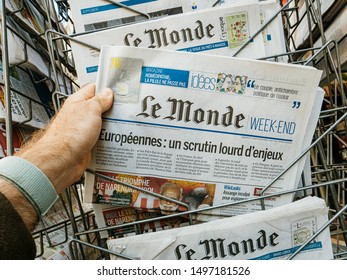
pixel 105 98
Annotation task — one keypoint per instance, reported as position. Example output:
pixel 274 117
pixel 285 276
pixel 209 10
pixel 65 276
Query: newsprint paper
pixel 97 14
pixel 200 129
pixel 100 14
pixel 273 234
pixel 222 30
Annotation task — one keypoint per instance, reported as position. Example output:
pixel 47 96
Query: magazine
pixel 28 14
pixel 26 56
pixel 202 130
pixel 273 234
pixel 26 105
pixel 17 140
pixel 221 30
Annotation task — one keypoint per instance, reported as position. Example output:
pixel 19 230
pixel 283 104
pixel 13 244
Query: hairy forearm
pixel 51 153
pixel 61 152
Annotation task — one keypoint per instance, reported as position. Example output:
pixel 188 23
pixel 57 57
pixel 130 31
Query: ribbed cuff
pixel 30 181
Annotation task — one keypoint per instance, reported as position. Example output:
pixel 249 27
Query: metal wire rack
pixel 328 151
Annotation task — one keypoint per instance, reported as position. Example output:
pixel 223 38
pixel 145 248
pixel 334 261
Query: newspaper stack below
pixel 267 235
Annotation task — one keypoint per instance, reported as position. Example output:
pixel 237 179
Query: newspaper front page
pixel 273 33
pixel 266 235
pixel 100 14
pixel 222 30
pixel 26 105
pixel 200 129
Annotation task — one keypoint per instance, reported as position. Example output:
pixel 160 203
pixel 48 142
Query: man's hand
pixel 63 150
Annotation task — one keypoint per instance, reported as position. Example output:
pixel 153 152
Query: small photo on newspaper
pixel 238 29
pixel 124 78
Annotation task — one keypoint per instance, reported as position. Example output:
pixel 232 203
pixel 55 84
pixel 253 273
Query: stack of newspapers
pixel 201 128
pixel 276 234
pixel 25 100
pixel 220 30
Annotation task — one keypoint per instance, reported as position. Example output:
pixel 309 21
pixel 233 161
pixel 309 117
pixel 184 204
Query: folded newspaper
pixel 231 26
pixel 98 14
pixel 266 235
pixel 201 130
pixel 26 12
pixel 222 30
